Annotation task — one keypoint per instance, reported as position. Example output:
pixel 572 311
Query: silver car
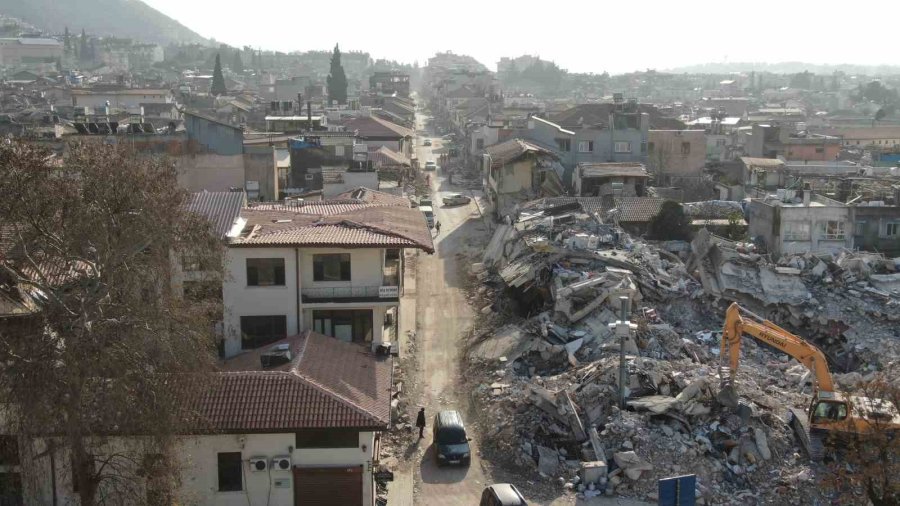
pixel 456 199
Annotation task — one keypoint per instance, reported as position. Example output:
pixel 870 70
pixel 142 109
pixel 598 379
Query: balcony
pixel 383 293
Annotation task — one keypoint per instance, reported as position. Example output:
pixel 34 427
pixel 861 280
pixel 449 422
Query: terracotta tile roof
pixel 762 163
pixel 511 150
pixel 221 208
pixel 327 383
pixel 638 209
pixel 371 126
pixel 371 196
pixel 617 169
pixel 342 224
pixel 386 156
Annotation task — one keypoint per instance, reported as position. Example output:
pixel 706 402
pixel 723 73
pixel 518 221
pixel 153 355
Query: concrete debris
pixel 554 277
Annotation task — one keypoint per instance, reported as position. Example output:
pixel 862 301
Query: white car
pixel 430 165
pixel 456 199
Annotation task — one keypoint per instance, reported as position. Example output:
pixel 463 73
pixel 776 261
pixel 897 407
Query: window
pixel 830 411
pixel 834 230
pixel 327 438
pixel 339 151
pixel 820 150
pixel 257 331
pixel 265 272
pixel 202 290
pixel 585 146
pixel 685 148
pixel 622 147
pixel 892 229
pixel 479 143
pixel 332 267
pixel 230 472
pixel 720 143
pixel 564 144
pixel 796 231
pixel 350 325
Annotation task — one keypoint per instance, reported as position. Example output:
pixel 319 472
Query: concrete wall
pixel 199 469
pixel 514 177
pixel 816 152
pixel 120 100
pixel 13 53
pixel 213 136
pixel 870 229
pixel 210 172
pixel 259 166
pixel 668 149
pixel 773 223
pixel 366 270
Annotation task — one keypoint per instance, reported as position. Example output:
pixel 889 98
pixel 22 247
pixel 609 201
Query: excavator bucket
pixel 728 396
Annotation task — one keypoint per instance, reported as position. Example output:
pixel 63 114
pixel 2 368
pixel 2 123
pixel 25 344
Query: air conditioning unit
pixel 281 463
pixel 259 464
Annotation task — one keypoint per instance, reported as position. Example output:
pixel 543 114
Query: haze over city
pixel 580 36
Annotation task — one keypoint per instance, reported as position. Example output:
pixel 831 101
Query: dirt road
pixel 444 318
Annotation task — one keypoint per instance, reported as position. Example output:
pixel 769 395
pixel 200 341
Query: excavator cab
pixel 828 411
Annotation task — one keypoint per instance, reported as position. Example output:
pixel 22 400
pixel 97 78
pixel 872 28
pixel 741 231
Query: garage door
pixel 328 486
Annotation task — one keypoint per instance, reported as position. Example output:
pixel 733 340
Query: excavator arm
pixel 739 321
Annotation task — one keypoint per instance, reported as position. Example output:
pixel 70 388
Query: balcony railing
pixel 359 293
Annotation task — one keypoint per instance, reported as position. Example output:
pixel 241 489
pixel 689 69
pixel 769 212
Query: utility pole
pixel 624 329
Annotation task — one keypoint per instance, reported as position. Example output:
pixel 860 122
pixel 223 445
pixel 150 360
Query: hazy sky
pixel 579 35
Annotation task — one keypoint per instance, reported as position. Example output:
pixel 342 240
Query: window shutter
pixel 345 267
pixel 318 270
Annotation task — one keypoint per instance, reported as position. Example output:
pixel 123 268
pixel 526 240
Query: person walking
pixel 437 226
pixel 420 423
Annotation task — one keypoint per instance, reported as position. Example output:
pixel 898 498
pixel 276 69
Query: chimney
pixel 309 115
pixel 807 195
pixel 299 104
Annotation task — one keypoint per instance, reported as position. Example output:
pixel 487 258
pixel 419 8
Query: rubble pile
pixel 546 365
pixel 848 304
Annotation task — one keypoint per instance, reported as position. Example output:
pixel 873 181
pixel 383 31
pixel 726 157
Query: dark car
pixel 502 494
pixel 451 444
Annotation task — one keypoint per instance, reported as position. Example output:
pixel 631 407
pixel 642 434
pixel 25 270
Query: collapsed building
pixel 545 354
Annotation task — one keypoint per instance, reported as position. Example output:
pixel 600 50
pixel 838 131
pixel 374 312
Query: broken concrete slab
pixel 657 404
pixel 762 443
pixel 593 472
pixel 548 460
pixel 631 464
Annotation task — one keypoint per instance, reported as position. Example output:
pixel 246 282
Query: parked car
pixel 430 165
pixel 427 142
pixel 429 215
pixel 451 444
pixel 456 199
pixel 502 494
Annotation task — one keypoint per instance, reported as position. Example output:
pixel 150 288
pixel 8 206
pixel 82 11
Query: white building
pixel 129 98
pixel 335 267
pixel 302 431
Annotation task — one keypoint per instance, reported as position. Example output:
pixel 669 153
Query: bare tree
pixel 91 237
pixel 867 463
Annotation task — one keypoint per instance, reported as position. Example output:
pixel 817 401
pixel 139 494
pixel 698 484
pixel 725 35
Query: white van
pixel 429 215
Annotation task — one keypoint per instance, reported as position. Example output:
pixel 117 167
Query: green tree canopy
pixel 670 224
pixel 218 82
pixel 337 79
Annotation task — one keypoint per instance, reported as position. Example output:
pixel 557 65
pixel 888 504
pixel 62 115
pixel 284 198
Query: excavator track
pixel 812 444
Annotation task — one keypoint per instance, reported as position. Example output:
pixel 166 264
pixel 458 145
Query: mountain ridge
pixel 119 18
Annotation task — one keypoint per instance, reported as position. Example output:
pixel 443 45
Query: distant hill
pixel 120 18
pixel 785 68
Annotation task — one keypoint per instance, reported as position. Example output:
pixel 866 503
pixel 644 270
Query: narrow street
pixel 443 319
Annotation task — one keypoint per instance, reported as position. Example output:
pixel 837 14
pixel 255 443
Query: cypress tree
pixel 218 81
pixel 337 79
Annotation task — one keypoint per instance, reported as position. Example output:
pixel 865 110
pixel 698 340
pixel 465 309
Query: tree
pixel 868 464
pixel 218 81
pixel 109 347
pixel 337 80
pixel 237 65
pixel 670 224
pixel 83 48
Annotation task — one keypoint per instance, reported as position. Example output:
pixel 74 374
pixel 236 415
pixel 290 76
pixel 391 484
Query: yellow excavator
pixel 831 415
